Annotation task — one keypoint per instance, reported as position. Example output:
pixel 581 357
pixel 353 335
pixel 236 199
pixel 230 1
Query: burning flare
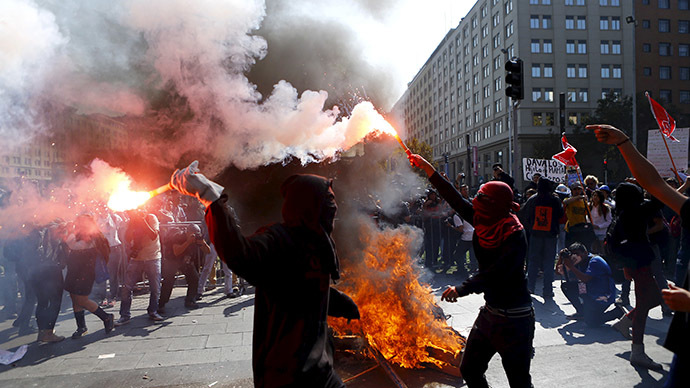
pixel 125 199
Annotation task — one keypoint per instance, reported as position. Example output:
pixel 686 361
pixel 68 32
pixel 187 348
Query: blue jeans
pixel 596 314
pixel 541 253
pixel 152 269
pixel 679 375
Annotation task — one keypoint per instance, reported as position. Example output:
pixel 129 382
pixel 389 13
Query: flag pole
pixel 675 169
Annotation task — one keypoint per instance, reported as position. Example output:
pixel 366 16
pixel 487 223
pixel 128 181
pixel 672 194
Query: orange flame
pixel 397 311
pixel 123 198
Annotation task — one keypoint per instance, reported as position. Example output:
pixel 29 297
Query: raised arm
pixel 645 173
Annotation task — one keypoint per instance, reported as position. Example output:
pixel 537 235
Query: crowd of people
pixel 104 257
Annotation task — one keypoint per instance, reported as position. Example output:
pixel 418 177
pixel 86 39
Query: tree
pixel 613 110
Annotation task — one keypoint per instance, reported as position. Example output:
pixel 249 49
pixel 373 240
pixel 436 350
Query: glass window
pixel 683 4
pixel 604 46
pixel 568 2
pixel 536 70
pixel 615 23
pixel 603 2
pixel 683 50
pixel 665 49
pixel 616 47
pixel 582 47
pixel 647 71
pixel 582 21
pixel 534 21
pixel 582 71
pixel 548 70
pixel 546 22
pixel 664 72
pixel 580 2
pixel 509 29
pixel 548 94
pixel 665 4
pixel 664 25
pixel 665 95
pixel 570 71
pixel 570 22
pixel 684 97
pixel 615 3
pixel 534 1
pixel 536 94
pixel 537 119
pixel 548 46
pixel 617 71
pixel 683 26
pixel 604 23
pixel 549 118
pixel 583 95
pixel 570 46
pixel 646 47
pixel 684 73
pixel 572 118
pixel 571 95
pixel 605 71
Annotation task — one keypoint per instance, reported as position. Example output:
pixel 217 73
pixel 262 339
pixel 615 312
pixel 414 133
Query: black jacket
pixel 501 275
pixel 291 268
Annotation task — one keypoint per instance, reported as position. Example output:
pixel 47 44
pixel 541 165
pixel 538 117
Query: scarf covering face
pixel 493 221
pixel 307 203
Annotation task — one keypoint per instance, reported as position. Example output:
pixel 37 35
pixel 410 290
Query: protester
pixel 678 299
pixel 578 227
pixel 563 192
pixel 143 238
pixel 541 214
pixel 48 282
pixel 532 184
pixel 595 284
pixel 188 246
pixel 502 176
pixel 296 257
pixel 601 219
pixel 23 251
pixel 591 185
pixel 505 324
pixel 86 244
pixel 432 214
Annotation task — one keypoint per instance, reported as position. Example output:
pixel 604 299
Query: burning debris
pixel 399 317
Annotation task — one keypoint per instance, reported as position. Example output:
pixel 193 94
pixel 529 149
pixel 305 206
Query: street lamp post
pixel 631 20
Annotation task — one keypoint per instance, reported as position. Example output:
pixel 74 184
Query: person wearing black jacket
pixel 541 214
pixel 505 324
pixel 291 264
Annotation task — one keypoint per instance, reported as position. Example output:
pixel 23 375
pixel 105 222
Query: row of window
pixel 666 4
pixel 665 72
pixel 603 3
pixel 666 49
pixel 545 46
pixel 21 172
pixel 544 22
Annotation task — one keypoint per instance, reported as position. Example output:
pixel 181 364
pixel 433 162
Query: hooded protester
pixel 541 214
pixel 290 342
pixel 629 242
pixel 505 324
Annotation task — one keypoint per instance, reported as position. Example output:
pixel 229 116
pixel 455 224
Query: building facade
pixel 457 101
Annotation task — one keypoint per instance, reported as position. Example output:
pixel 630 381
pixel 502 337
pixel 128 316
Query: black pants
pixel 28 297
pixel 47 284
pixel 509 337
pixel 572 292
pixel 170 268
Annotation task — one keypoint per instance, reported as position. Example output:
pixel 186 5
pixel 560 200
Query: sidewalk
pixel 211 347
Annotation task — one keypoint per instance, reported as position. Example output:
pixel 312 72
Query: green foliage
pixel 590 153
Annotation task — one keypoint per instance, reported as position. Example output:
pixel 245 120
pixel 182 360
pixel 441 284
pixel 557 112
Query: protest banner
pixel 657 155
pixel 548 168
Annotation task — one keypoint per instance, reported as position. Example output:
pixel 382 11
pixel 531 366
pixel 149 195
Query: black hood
pixel 628 197
pixel 544 186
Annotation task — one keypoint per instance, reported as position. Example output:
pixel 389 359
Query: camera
pixel 564 253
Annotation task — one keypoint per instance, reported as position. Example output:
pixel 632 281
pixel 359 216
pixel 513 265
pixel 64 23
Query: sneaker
pixel 642 360
pixel 111 303
pixel 191 305
pixel 156 317
pixel 109 323
pixel 122 321
pixel 80 332
pixel 49 336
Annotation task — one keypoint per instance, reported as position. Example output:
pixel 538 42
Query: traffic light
pixel 514 79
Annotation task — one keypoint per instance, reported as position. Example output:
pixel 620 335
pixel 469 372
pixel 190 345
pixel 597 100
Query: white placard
pixel 657 154
pixel 548 168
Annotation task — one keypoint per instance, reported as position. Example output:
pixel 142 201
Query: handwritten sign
pixel 657 154
pixel 548 168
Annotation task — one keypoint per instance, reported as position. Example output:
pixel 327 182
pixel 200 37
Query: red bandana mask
pixel 493 220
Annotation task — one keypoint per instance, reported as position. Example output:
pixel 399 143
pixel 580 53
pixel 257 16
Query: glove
pixel 189 181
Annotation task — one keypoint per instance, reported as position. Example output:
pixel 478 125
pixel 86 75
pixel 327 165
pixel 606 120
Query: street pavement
pixel 211 347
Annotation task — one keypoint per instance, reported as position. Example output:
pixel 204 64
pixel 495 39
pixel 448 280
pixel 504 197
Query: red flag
pixel 567 156
pixel 666 123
